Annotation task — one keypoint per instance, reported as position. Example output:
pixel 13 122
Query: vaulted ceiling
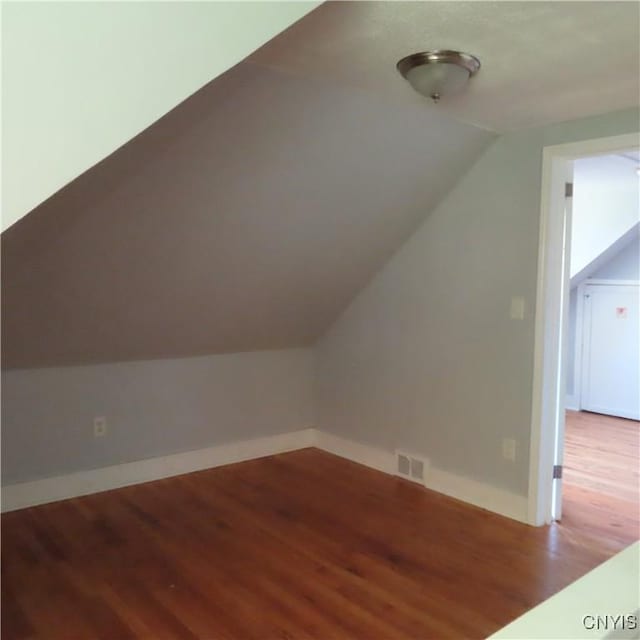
pixel 79 79
pixel 244 220
pixel 248 217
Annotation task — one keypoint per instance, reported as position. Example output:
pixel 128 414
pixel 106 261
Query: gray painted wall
pixel 625 265
pixel 426 357
pixel 153 408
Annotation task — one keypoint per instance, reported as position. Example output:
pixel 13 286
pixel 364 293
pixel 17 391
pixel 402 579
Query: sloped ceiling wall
pixel 246 219
pixel 606 208
pixel 79 79
pixel 252 214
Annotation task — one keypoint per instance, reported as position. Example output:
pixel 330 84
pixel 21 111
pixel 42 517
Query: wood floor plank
pixel 602 474
pixel 302 545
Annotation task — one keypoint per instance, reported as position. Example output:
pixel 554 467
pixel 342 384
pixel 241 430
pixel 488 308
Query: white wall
pixel 625 265
pixel 153 408
pixel 606 204
pixel 426 357
pixel 86 97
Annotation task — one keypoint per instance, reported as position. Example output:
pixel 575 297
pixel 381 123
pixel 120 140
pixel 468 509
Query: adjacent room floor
pixel 299 545
pixel 601 485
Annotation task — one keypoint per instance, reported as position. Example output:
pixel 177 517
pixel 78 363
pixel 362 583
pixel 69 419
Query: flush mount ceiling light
pixel 438 73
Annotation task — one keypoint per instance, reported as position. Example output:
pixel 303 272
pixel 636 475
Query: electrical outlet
pixel 99 427
pixel 509 449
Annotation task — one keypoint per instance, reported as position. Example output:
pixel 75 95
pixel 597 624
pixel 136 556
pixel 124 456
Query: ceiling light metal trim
pixel 439 56
pixel 464 60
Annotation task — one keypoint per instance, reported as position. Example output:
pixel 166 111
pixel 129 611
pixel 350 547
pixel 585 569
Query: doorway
pixel 600 487
pixel 553 377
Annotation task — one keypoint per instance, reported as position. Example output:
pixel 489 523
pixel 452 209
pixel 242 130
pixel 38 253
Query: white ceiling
pixel 632 154
pixel 542 62
pixel 618 170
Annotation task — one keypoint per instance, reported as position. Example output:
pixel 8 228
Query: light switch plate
pixel 509 449
pixel 517 308
pixel 99 427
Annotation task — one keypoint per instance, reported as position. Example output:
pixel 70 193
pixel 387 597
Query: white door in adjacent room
pixel 611 350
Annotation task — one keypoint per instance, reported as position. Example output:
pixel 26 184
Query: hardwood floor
pixel 601 485
pixel 300 545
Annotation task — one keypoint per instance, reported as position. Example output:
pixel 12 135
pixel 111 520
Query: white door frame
pixel 577 354
pixel 548 397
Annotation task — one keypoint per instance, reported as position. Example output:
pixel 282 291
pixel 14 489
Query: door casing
pixel 547 413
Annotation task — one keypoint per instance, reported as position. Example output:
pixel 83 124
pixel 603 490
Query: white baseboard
pixel 28 494
pixel 477 493
pixel 571 403
pixel 355 451
pixel 482 495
